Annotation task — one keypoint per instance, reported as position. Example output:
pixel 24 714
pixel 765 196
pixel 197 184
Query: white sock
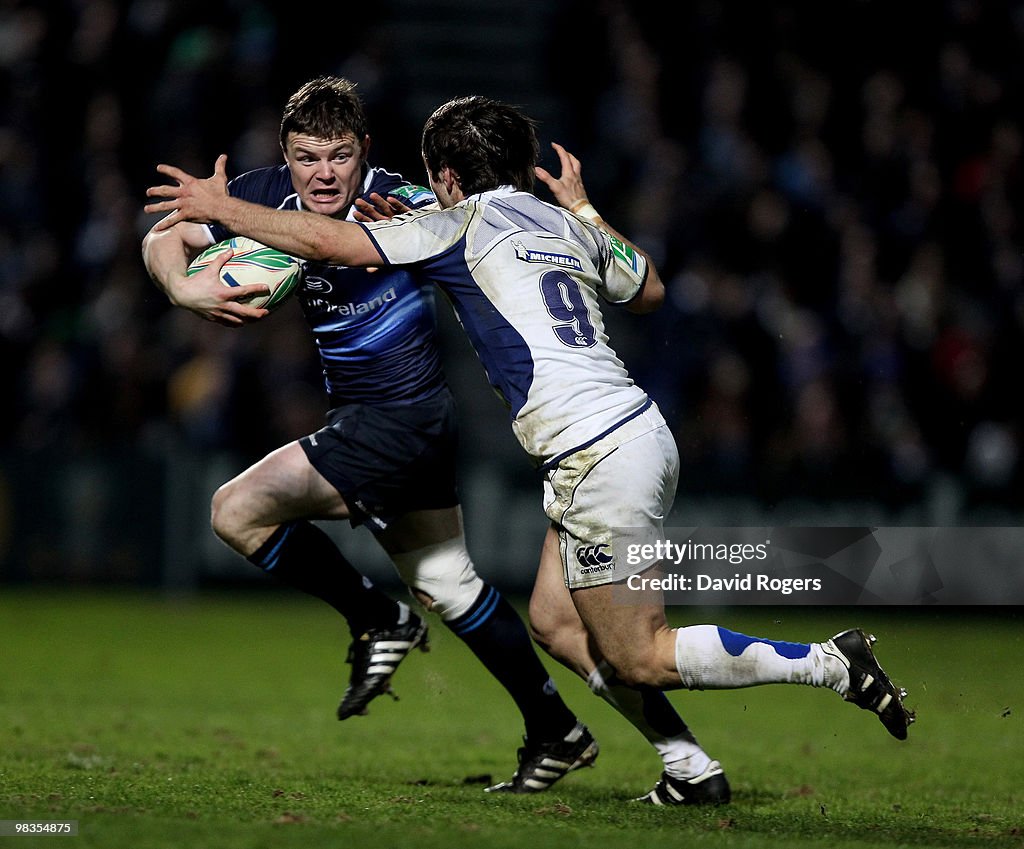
pixel 712 658
pixel 680 753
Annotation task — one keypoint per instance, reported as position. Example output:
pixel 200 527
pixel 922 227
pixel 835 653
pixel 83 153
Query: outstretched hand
pixel 567 188
pixel 192 199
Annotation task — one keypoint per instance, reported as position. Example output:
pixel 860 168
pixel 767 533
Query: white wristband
pixel 586 210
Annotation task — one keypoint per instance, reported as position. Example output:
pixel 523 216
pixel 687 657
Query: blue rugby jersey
pixel 375 330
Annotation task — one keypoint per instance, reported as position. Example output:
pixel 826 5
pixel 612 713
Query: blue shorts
pixel 389 459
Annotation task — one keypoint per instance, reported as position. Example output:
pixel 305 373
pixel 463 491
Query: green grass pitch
pixel 209 721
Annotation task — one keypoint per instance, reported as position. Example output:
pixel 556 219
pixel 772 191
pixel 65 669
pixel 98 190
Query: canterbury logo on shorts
pixel 594 558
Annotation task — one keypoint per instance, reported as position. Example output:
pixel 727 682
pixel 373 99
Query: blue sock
pixel 496 634
pixel 301 555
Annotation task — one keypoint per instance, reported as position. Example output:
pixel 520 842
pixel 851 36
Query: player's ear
pixel 454 184
pixel 365 146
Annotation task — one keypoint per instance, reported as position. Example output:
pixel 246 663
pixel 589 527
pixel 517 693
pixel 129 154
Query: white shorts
pixel 622 485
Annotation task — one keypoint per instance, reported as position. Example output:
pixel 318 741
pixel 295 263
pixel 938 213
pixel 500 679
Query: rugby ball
pixel 253 262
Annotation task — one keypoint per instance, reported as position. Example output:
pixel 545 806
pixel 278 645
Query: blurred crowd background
pixel 833 193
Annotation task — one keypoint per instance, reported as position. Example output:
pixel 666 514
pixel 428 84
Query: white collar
pixel 500 191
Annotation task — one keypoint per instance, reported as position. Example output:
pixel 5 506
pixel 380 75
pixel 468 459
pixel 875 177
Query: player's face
pixel 327 174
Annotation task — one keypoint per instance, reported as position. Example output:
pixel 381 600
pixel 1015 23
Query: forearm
pixel 166 257
pixel 305 235
pixel 571 194
pixel 300 234
pixel 652 295
pixel 585 209
pixel 167 253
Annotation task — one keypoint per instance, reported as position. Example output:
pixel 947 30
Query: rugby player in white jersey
pixel 526 279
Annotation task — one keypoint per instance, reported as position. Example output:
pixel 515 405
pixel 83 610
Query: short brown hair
pixel 325 108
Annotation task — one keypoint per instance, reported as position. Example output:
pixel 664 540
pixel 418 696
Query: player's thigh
pixel 554 620
pixel 418 529
pixel 551 607
pixel 281 487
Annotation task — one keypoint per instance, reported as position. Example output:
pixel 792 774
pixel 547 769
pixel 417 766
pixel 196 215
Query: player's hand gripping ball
pixel 254 263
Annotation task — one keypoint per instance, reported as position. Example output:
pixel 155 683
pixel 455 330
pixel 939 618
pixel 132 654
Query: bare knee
pixel 226 516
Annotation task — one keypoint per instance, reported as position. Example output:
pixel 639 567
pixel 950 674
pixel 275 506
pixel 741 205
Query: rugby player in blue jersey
pixel 386 458
pixel 526 279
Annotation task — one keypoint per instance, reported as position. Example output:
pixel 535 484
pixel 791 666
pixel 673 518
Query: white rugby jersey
pixel 524 277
